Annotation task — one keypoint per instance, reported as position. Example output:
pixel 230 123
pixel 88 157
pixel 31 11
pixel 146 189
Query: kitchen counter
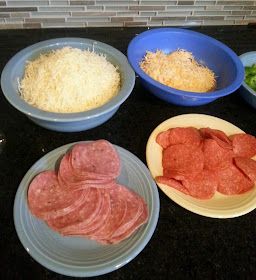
pixel 184 245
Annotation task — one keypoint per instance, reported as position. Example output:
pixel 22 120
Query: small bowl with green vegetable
pixel 248 87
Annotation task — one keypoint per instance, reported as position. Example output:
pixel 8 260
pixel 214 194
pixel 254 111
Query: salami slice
pixel 216 157
pixel 219 136
pixel 46 199
pixel 97 159
pixel 87 229
pixel 68 179
pixel 232 181
pixel 142 219
pixel 203 185
pixel 244 145
pixel 172 183
pixel 134 210
pixel 85 214
pixel 182 161
pixel 247 166
pixel 118 208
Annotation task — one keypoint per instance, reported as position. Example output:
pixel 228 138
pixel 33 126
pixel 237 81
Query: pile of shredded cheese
pixel 69 80
pixel 179 70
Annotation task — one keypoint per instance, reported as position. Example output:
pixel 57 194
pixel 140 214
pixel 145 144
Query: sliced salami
pixel 215 156
pixel 219 136
pixel 134 210
pixel 244 145
pixel 46 199
pixel 118 208
pixel 203 185
pixel 85 214
pixel 98 159
pixel 182 161
pixel 87 229
pixel 232 181
pixel 142 219
pixel 71 180
pixel 247 166
pixel 172 183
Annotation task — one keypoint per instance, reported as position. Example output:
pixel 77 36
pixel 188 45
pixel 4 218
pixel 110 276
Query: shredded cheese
pixel 179 70
pixel 69 80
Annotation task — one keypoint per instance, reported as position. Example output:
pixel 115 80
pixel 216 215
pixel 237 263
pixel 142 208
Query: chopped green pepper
pixel 250 76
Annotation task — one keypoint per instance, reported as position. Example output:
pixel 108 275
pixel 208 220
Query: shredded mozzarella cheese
pixel 69 80
pixel 179 70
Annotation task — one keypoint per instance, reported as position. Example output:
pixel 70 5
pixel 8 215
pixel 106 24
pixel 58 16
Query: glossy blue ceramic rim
pixel 13 97
pixel 214 94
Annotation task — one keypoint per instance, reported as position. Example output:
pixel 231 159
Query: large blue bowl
pixel 66 122
pixel 208 51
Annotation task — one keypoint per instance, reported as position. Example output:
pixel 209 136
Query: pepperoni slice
pixel 172 183
pixel 232 181
pixel 179 135
pixel 203 185
pixel 182 161
pixel 244 145
pixel 46 199
pixel 219 136
pixel 163 139
pixel 216 157
pixel 247 166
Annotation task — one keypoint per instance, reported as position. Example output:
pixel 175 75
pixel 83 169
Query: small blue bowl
pixel 66 122
pixel 247 93
pixel 208 51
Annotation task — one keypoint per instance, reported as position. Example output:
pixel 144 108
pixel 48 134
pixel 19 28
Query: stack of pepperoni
pixel 83 198
pixel 199 162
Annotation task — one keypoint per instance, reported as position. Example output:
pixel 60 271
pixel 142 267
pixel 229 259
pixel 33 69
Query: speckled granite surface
pixel 184 245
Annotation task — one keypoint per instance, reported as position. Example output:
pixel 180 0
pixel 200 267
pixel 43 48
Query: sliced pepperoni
pixel 85 214
pixel 232 181
pixel 247 166
pixel 219 136
pixel 182 161
pixel 244 145
pixel 203 185
pixel 163 139
pixel 215 156
pixel 172 183
pixel 47 199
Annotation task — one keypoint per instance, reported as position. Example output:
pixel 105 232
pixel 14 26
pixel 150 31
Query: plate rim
pixel 218 214
pixel 102 268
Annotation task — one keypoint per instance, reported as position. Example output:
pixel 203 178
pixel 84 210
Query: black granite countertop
pixel 184 245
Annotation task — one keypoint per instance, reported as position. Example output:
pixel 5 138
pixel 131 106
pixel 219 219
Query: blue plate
pixel 78 256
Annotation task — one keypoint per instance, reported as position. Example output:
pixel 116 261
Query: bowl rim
pixel 244 55
pixel 32 112
pixel 209 95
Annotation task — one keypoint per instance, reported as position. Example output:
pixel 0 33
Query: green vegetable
pixel 250 76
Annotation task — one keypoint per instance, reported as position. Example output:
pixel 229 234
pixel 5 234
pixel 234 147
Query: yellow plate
pixel 220 206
